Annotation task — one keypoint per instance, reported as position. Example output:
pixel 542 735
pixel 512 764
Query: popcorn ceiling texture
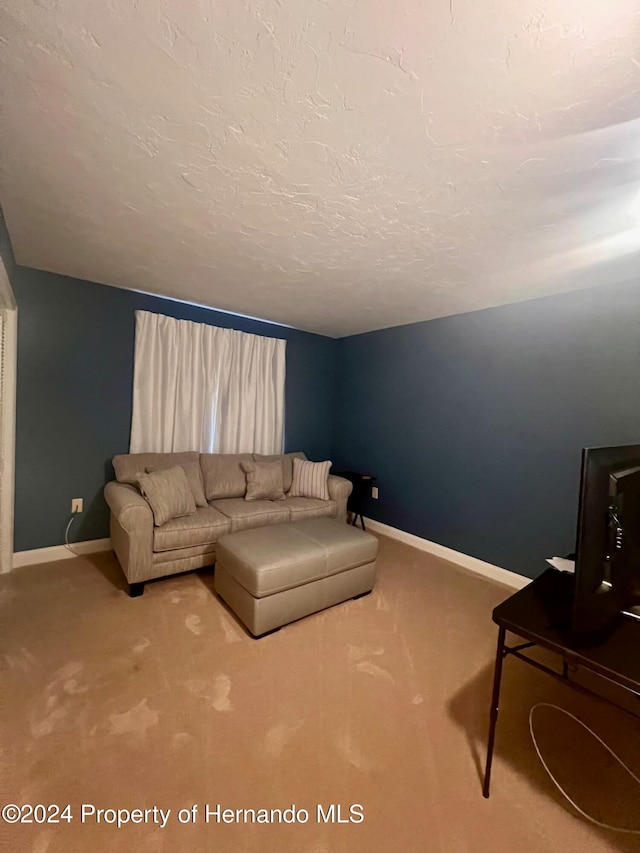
pixel 338 167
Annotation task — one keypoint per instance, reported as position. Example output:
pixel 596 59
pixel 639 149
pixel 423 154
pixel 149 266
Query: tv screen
pixel 607 554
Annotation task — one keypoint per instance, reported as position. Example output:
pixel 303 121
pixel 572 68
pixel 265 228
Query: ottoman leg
pixel 266 634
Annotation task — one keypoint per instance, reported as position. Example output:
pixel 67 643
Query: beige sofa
pixel 146 552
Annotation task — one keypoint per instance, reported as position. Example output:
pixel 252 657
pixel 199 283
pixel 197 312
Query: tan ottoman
pixel 270 576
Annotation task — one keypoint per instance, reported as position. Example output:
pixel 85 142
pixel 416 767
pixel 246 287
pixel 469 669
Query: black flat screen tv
pixel 607 579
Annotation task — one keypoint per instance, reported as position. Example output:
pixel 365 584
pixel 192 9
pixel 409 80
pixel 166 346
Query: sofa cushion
pixel 128 465
pixel 194 478
pixel 245 514
pixel 223 475
pixel 204 527
pixel 310 479
pixel 310 508
pixel 264 481
pixel 177 554
pixel 168 493
pixel 287 464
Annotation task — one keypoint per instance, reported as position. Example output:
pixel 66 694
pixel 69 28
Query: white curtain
pixel 199 387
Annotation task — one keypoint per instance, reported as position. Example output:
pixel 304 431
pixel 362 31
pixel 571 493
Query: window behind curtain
pixel 200 387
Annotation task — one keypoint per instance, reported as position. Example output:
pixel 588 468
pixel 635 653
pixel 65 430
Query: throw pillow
pixel 287 463
pixel 264 481
pixel 168 494
pixel 310 479
pixel 194 478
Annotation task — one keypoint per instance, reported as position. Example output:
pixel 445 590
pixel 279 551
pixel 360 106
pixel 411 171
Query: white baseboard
pixel 59 552
pixel 472 564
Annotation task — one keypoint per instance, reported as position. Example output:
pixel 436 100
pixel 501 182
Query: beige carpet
pixel 165 701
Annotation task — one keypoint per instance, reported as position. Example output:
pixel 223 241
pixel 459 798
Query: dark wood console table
pixel 361 491
pixel 539 615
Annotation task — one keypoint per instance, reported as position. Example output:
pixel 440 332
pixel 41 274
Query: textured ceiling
pixel 338 167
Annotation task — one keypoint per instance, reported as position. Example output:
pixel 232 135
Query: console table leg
pixel 495 702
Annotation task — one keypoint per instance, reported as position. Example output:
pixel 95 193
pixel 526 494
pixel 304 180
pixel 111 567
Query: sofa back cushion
pixel 128 465
pixel 287 464
pixel 223 475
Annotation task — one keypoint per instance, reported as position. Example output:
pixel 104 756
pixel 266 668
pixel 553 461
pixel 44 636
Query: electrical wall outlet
pixel 374 492
pixel 76 505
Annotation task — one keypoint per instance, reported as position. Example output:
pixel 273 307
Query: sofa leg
pixel 136 589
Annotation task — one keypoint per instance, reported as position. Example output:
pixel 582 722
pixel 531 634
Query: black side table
pixel 361 490
pixel 536 613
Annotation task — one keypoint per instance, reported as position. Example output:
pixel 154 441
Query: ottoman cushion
pixel 269 560
pixel 344 546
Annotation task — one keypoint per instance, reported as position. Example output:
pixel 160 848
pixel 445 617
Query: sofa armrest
pixel 127 504
pixel 339 491
pixel 131 530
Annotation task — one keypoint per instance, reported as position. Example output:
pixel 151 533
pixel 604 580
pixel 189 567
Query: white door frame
pixel 7 419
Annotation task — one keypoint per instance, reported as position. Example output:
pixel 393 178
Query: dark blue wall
pixel 474 424
pixel 75 373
